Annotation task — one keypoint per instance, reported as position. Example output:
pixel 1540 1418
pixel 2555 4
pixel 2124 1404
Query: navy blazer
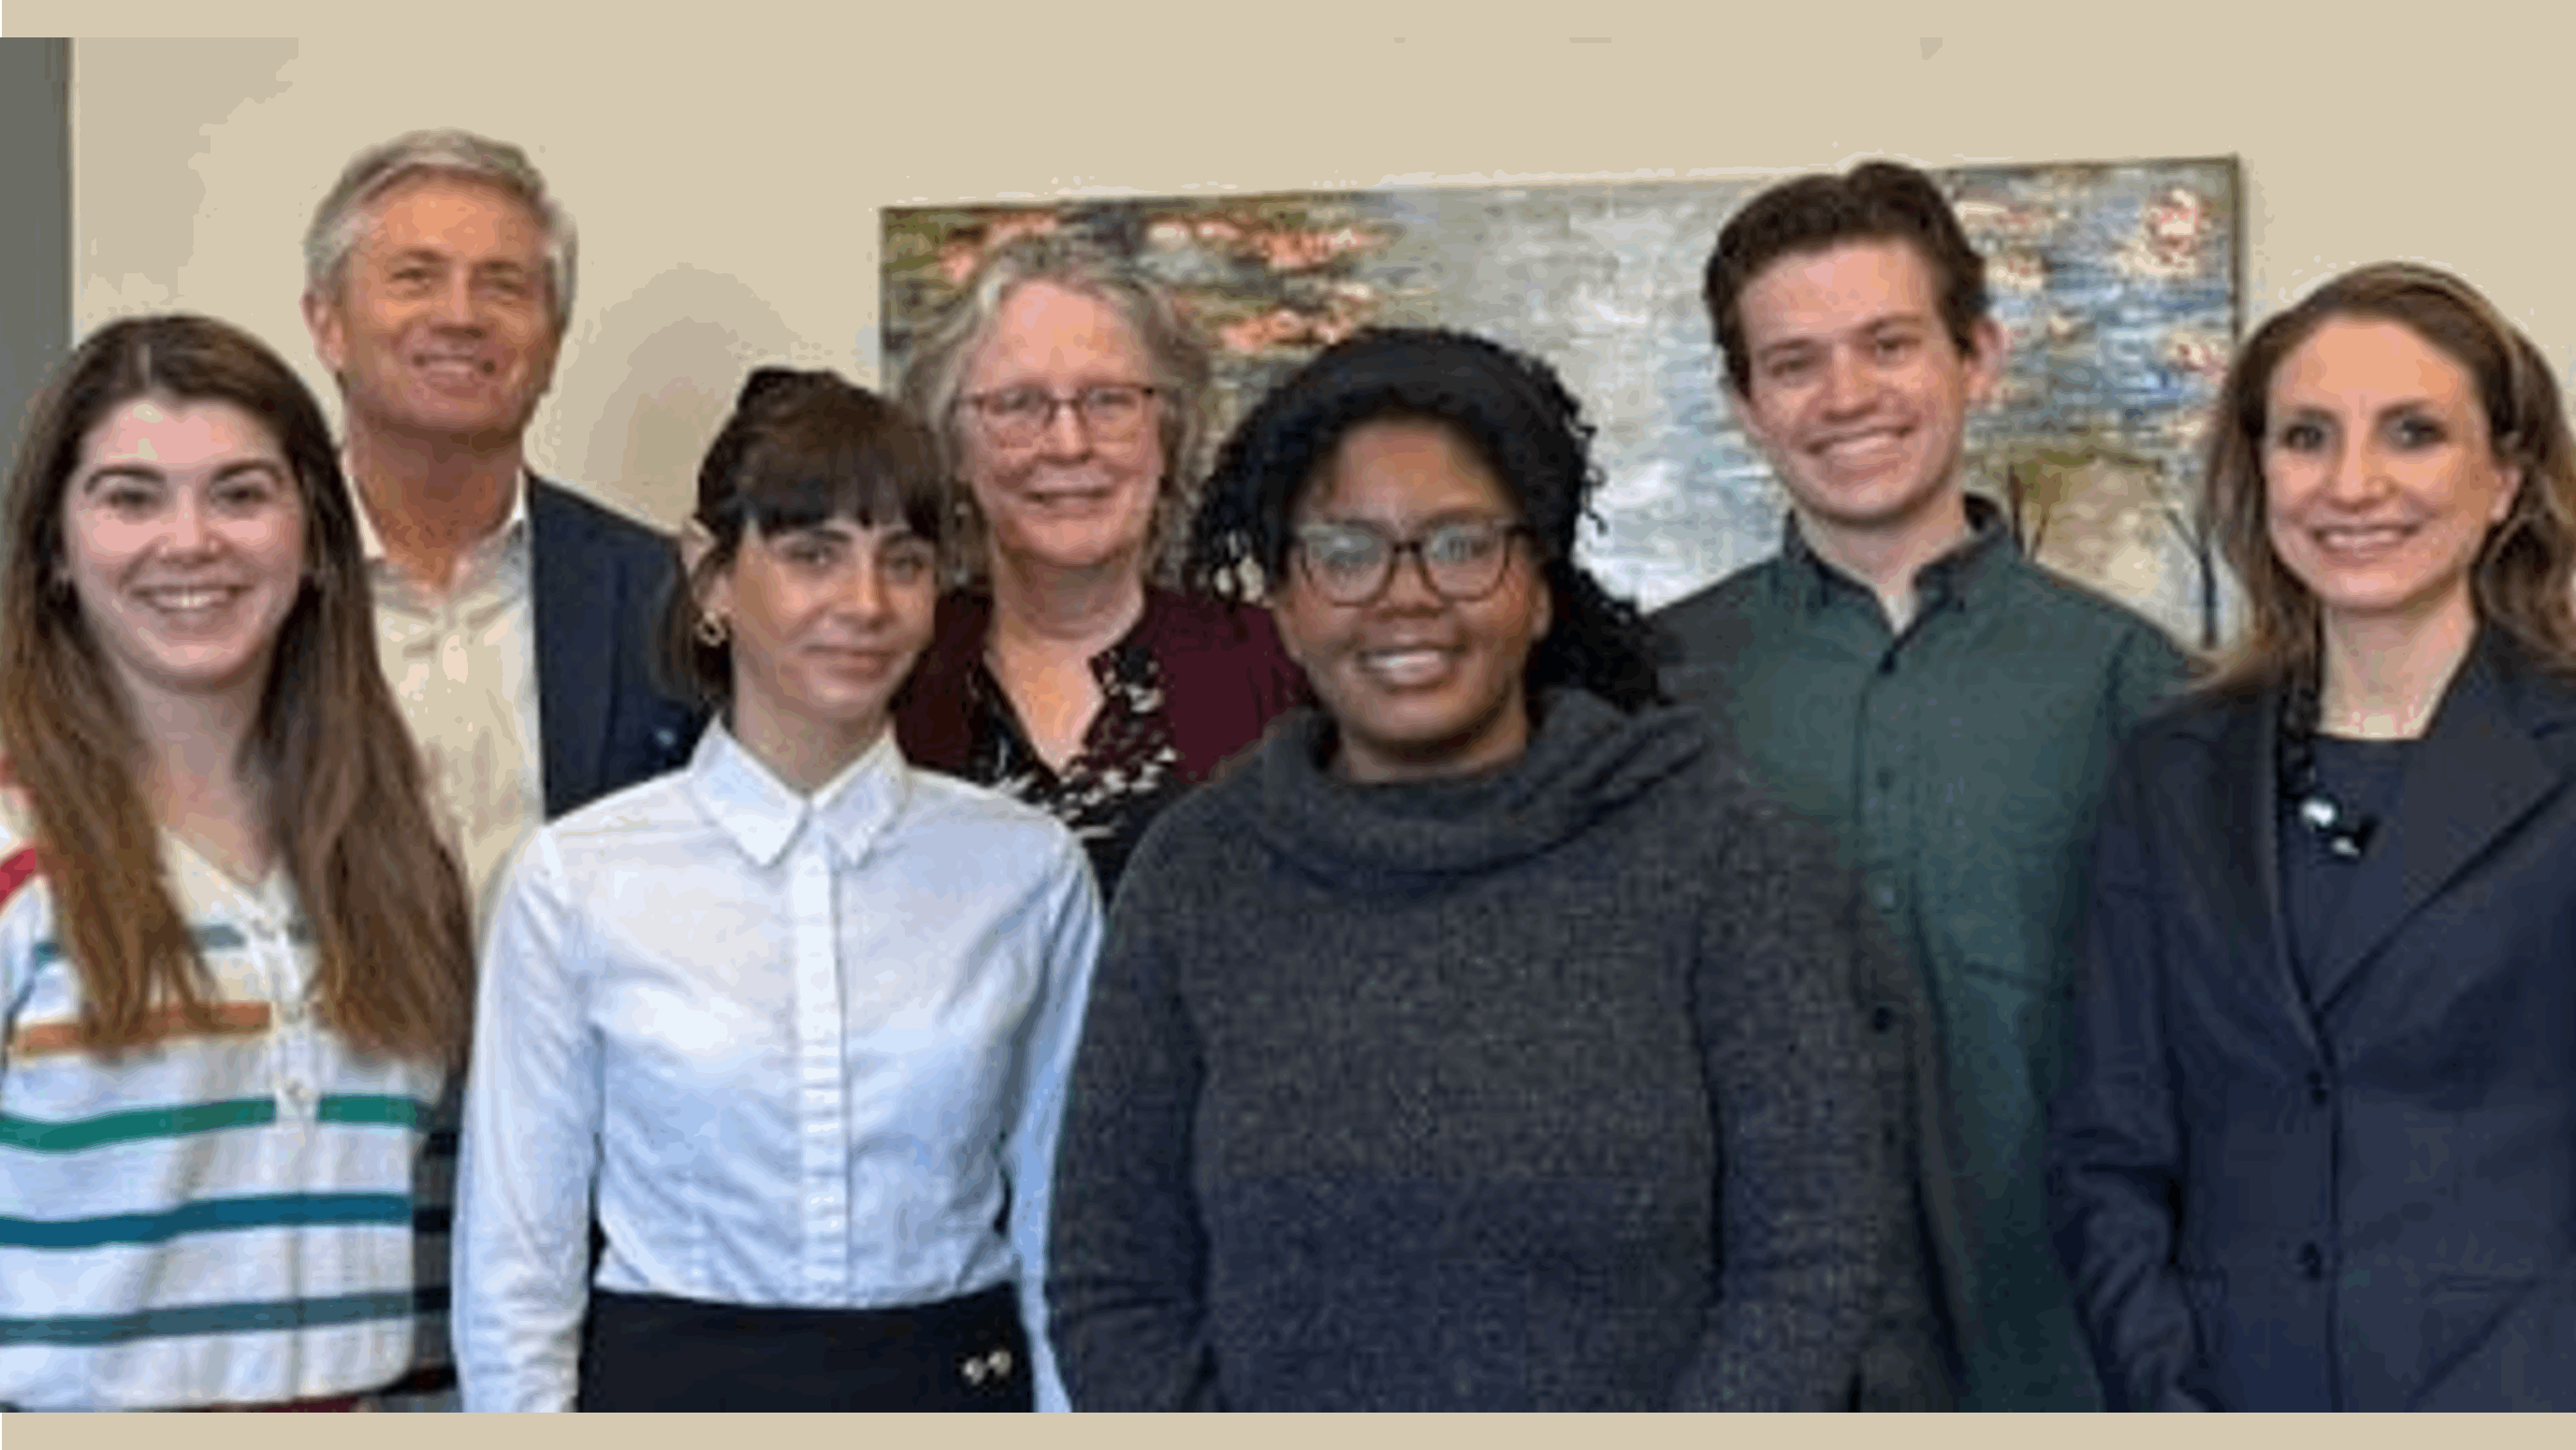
pixel 2363 1198
pixel 599 580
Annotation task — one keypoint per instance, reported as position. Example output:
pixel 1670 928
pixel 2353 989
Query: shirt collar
pixel 1957 576
pixel 764 814
pixel 371 545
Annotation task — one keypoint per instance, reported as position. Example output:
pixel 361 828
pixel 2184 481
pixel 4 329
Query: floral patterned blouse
pixel 1194 683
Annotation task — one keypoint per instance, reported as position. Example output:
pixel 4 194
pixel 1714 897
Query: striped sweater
pixel 221 1216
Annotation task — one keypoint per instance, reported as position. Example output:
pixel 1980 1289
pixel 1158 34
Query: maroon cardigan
pixel 1225 678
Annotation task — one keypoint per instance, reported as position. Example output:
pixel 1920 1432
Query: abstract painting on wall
pixel 2116 282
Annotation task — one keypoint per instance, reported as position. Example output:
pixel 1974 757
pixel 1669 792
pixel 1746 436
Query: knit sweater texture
pixel 1536 1090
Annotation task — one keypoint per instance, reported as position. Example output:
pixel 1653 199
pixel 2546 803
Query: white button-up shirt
pixel 462 664
pixel 806 1049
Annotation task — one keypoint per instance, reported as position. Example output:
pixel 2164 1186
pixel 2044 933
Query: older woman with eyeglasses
pixel 1070 400
pixel 1486 1043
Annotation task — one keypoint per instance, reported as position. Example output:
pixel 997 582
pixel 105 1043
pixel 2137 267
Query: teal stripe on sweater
pixel 210 1215
pixel 37 1136
pixel 206 1319
pixel 43 1137
pixel 392 1112
pixel 214 937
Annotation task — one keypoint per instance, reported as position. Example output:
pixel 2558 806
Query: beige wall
pixel 725 162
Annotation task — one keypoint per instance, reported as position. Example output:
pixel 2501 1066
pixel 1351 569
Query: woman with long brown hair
pixel 2317 1145
pixel 237 961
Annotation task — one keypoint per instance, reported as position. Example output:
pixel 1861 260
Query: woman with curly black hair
pixel 1484 1042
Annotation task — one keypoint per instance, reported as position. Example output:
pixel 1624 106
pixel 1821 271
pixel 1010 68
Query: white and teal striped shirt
pixel 221 1216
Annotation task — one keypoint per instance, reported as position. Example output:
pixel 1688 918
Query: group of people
pixel 1884 980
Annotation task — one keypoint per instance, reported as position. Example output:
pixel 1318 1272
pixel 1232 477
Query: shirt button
pixel 2312 1261
pixel 291 1012
pixel 1881 1018
pixel 1885 896
pixel 297 1093
pixel 1886 778
pixel 2317 1093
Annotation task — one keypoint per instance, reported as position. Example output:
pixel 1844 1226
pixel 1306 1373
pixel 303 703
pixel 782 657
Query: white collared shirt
pixel 806 1049
pixel 463 668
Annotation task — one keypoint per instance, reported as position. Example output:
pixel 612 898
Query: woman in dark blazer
pixel 2317 1145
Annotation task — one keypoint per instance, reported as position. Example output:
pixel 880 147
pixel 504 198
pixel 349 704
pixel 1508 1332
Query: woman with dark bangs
pixel 797 1016
pixel 1484 1043
pixel 237 961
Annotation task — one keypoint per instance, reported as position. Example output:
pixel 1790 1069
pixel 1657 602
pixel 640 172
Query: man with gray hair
pixel 514 618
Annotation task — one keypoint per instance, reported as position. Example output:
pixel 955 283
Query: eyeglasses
pixel 1019 417
pixel 1462 561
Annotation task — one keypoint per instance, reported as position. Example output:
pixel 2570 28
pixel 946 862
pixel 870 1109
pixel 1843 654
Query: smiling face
pixel 1069 500
pixel 826 622
pixel 440 325
pixel 2380 479
pixel 1419 686
pixel 183 541
pixel 1858 394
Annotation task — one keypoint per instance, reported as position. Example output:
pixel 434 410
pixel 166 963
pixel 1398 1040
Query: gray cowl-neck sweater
pixel 1536 1090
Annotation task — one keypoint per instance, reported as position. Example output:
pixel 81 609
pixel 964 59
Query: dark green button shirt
pixel 1961 763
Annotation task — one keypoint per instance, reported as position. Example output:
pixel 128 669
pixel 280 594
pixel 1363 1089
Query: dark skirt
pixel 647 1352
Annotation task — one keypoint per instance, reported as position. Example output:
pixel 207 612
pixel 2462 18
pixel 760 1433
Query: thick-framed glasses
pixel 1019 417
pixel 1461 562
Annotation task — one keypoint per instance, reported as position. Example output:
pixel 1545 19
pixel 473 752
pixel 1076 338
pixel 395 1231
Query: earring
pixel 711 631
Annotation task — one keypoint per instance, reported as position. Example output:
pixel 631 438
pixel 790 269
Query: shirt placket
pixel 268 939
pixel 466 687
pixel 446 641
pixel 822 1096
pixel 1882 756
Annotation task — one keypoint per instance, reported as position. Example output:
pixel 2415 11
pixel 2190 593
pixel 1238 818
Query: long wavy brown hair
pixel 2526 569
pixel 340 782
